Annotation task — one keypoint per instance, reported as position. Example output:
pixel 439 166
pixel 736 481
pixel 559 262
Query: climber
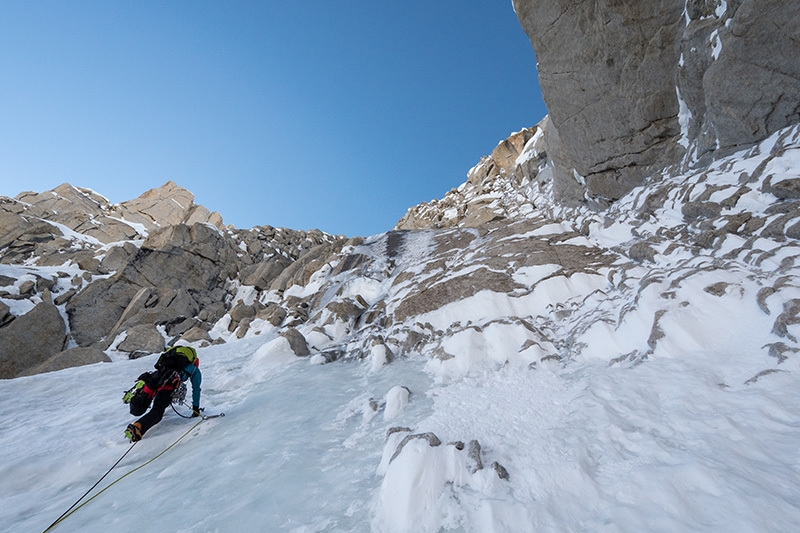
pixel 175 366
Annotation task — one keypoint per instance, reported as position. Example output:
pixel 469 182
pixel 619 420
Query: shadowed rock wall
pixel 634 86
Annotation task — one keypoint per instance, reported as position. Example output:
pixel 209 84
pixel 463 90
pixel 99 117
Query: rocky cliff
pixel 634 87
pixel 80 277
pixel 497 258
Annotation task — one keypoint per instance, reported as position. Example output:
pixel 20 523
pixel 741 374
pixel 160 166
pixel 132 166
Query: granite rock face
pixel 55 226
pixel 607 74
pixel 633 87
pixel 738 73
pixel 491 185
pixel 133 277
pixel 179 272
pixel 31 339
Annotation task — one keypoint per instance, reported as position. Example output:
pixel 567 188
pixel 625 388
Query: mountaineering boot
pixel 134 432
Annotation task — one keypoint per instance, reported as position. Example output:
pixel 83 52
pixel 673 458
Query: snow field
pixel 697 437
pixel 278 460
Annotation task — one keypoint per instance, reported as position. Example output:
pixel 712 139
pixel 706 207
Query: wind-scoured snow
pixel 678 443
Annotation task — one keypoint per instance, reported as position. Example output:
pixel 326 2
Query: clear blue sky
pixel 337 115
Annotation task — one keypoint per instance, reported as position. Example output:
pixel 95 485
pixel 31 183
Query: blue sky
pixel 331 115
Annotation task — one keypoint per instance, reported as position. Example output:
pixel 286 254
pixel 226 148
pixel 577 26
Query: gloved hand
pixel 195 411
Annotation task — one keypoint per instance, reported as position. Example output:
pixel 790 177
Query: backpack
pixel 176 358
pixel 141 394
pixel 139 403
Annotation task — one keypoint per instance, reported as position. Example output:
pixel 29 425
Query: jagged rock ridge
pixel 132 277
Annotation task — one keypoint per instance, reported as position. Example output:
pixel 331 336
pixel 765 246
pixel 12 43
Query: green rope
pixel 69 513
pixel 91 488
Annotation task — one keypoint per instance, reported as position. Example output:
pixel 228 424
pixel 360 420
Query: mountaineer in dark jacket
pixel 175 366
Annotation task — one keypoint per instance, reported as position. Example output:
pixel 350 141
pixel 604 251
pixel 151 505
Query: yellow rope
pixel 122 477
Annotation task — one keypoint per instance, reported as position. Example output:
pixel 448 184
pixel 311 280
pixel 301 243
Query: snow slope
pixel 296 451
pixel 675 444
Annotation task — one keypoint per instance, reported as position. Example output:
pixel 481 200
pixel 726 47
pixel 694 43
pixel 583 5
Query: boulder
pixel 31 339
pixel 68 359
pixel 241 311
pixel 27 288
pixel 47 283
pixel 297 342
pixel 212 312
pixel 180 326
pixel 261 275
pixel 142 338
pixel 196 334
pixel 274 314
pixel 243 327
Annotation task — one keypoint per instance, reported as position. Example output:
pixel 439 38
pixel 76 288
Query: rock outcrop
pixel 53 227
pixel 499 188
pixel 179 271
pixel 130 277
pixel 633 87
pixel 31 339
pixel 488 188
